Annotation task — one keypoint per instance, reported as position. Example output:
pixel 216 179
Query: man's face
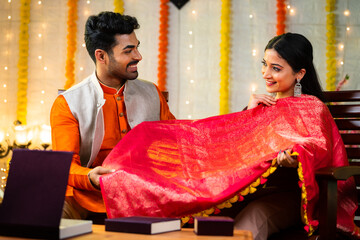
pixel 124 57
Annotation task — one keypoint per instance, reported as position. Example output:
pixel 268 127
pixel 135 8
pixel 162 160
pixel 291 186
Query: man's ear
pixel 100 56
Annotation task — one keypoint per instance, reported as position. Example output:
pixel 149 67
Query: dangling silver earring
pixel 297 88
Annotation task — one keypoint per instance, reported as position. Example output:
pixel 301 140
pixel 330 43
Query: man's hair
pixel 100 31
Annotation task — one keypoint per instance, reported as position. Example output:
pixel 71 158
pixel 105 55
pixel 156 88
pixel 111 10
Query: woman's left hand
pixel 285 160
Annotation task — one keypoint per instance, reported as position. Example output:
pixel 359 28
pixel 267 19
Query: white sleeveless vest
pixel 86 99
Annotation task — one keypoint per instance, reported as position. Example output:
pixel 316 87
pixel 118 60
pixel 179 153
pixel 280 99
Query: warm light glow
pixel 5 100
pixel 188 68
pixel 39 35
pixel 187 102
pixel 42 101
pixel 192 81
pixel 189 116
pixel 88 1
pixel 45 68
pixel 81 68
pixel 9 1
pixel 190 32
pixel 39 57
pixel 4 85
pixel 347 13
pixel 193 12
pixel 190 46
pixel 254 52
pixel 9 17
pixel 83 45
pixel 39 2
pixel 288 6
pixel 251 16
pixel 253 88
pixel 22 135
pixel 348 29
pixel 86 12
pixel 342 62
pixel 5 68
pixel 341 46
pixel 43 92
pixel 2 136
pixel 292 11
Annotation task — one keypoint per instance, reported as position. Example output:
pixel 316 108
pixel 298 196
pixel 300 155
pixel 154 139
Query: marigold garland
pixel 22 65
pixel 330 45
pixel 281 17
pixel 71 43
pixel 163 44
pixel 225 47
pixel 119 6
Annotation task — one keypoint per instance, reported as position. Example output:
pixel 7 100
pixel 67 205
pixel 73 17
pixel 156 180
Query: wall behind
pixel 194 50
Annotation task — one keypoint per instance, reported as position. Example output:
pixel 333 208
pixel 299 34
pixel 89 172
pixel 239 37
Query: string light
pixel 9 17
pixel 4 85
pixel 341 46
pixel 42 92
pixel 192 81
pixel 347 13
pixel 292 11
pixel 193 12
pixel 5 68
pixel 348 29
pixel 39 35
pixel 45 68
pixel 83 45
pixel 251 16
pixel 190 32
pixel 188 68
pixel 81 68
pixel 39 57
pixel 254 52
pixel 39 2
pixel 189 116
pixel 190 46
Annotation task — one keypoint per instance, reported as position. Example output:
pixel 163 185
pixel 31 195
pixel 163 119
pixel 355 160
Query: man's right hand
pixel 95 174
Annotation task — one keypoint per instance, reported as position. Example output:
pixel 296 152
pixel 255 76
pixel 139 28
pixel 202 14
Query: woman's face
pixel 278 74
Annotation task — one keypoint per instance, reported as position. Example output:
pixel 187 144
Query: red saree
pixel 179 168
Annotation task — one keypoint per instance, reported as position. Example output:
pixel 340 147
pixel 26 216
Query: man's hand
pixel 95 174
pixel 256 99
pixel 284 159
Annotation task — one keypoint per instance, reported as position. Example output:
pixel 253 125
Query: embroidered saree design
pixel 179 168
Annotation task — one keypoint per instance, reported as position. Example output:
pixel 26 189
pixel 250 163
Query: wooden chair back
pixel 345 109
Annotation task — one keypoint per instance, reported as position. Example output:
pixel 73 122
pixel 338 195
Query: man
pixel 90 118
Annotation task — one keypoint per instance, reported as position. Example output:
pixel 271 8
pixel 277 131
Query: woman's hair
pixel 298 52
pixel 100 31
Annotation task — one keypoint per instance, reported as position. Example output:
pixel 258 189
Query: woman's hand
pixel 256 99
pixel 285 160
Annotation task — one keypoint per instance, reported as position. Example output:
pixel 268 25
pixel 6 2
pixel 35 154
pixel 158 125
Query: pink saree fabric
pixel 177 168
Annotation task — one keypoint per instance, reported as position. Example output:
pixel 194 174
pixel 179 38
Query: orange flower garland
pixel 22 65
pixel 281 17
pixel 71 43
pixel 163 43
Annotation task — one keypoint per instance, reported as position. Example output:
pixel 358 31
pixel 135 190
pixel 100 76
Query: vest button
pixel 118 98
pixel 121 114
pixel 123 131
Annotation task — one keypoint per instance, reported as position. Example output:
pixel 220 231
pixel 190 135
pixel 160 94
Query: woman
pixel 184 168
pixel 288 71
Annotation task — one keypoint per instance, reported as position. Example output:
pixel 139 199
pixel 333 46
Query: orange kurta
pixel 66 137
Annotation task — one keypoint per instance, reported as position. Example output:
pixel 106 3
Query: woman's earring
pixel 297 88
